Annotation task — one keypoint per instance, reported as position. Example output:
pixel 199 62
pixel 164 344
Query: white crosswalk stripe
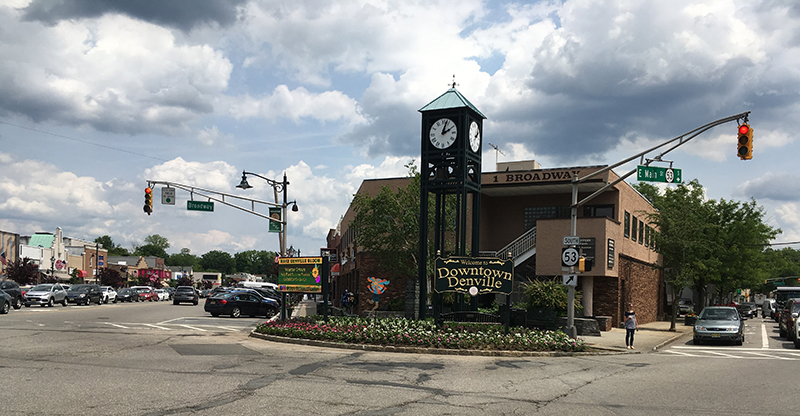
pixel 733 353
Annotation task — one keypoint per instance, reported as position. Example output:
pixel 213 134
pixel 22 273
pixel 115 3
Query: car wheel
pixel 6 307
pixel 64 302
pixel 781 332
pixel 697 341
pixel 796 343
pixel 175 302
pixel 27 305
pixel 17 303
pixel 270 313
pixel 115 300
pixel 214 314
pixel 105 300
pixel 50 303
pixel 194 303
pixel 236 312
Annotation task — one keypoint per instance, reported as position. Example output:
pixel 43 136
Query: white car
pixel 796 333
pixel 162 294
pixel 109 294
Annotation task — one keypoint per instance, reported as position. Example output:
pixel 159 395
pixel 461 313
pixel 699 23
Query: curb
pixel 433 351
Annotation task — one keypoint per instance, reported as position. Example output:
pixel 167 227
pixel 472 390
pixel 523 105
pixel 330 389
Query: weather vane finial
pixel 454 81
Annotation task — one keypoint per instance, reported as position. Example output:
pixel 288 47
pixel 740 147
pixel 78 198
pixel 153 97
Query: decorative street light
pixel 278 187
pixel 52 268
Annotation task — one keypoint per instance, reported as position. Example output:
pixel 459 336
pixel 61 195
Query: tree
pixel 113 249
pixel 154 246
pixel 255 262
pixel 185 281
pixel 111 277
pixel 219 261
pixel 185 258
pixel 387 227
pixel 23 271
pixel 157 241
pixel 706 241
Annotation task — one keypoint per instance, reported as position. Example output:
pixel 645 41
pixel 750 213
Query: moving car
pixel 796 333
pixel 12 289
pixel 162 294
pixel 239 303
pixel 719 323
pixel 685 306
pixel 5 302
pixel 748 310
pixel 185 294
pixel 127 294
pixel 768 308
pixel 788 318
pixel 85 294
pixel 46 294
pixel 109 294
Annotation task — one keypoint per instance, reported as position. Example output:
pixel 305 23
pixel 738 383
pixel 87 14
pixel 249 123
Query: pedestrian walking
pixel 631 326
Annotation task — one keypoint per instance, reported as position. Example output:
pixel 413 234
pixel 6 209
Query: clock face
pixel 474 137
pixel 443 133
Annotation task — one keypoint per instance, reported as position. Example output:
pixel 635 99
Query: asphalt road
pixel 160 359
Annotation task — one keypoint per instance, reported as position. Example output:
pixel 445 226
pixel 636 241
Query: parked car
pixel 85 294
pixel 747 310
pixel 171 291
pixel 269 293
pixel 47 294
pixel 12 289
pixel 185 294
pixel 5 302
pixel 768 308
pixel 204 293
pixel 127 294
pixel 685 306
pixel 788 318
pixel 162 294
pixel 146 293
pixel 240 303
pixel 719 323
pixel 109 294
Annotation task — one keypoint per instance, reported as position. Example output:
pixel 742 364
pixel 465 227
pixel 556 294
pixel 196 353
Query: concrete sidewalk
pixel 649 337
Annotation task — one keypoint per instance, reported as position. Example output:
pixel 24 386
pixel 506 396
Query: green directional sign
pixel 200 206
pixel 658 174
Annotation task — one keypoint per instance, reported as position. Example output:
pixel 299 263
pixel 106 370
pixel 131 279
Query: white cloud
pixel 297 104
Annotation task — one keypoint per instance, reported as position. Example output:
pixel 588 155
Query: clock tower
pixel 450 171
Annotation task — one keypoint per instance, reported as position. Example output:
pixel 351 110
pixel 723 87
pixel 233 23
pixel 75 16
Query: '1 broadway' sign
pixel 486 274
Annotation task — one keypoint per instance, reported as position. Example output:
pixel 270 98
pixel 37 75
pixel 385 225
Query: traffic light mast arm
pixel 682 139
pixel 205 193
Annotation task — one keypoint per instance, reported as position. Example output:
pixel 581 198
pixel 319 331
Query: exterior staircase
pixel 520 250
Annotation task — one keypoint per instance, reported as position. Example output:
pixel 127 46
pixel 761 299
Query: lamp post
pixel 278 187
pixel 52 268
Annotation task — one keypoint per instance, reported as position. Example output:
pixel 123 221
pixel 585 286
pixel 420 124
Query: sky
pixel 98 97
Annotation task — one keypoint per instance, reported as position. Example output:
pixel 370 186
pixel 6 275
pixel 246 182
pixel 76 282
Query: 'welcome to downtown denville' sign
pixel 486 274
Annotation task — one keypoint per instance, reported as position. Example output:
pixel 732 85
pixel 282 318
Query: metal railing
pixel 518 247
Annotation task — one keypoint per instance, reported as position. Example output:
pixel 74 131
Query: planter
pixel 689 320
pixel 604 322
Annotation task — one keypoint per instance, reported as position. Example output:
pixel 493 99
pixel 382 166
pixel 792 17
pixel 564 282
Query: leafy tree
pixel 23 271
pixel 219 261
pixel 111 277
pixel 113 249
pixel 185 281
pixel 157 241
pixel 255 262
pixel 549 294
pixel 185 258
pixel 387 226
pixel 150 250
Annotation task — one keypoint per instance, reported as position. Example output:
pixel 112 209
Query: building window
pixel 633 233
pixel 647 237
pixel 627 224
pixel 641 232
pixel 595 211
pixel 540 213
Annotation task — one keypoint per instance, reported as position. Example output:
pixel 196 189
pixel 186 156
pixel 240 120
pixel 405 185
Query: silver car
pixel 719 323
pixel 46 294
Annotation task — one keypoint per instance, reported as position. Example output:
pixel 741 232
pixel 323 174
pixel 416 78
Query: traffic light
pixel 585 264
pixel 148 200
pixel 745 143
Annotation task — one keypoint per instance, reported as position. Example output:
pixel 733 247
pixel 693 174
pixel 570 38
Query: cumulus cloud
pixel 777 186
pixel 297 104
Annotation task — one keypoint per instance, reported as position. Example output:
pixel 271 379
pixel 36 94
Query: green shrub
pixel 548 294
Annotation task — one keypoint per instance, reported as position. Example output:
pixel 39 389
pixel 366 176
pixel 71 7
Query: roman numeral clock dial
pixel 443 133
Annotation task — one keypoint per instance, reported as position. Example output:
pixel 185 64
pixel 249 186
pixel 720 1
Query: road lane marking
pixel 159 327
pixel 771 356
pixel 230 329
pixel 685 354
pixel 764 338
pixel 116 325
pixel 196 329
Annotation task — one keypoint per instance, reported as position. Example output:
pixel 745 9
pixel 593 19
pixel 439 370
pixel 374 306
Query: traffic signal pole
pixel 681 140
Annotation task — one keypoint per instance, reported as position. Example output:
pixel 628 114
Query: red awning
pixel 82 273
pixel 335 270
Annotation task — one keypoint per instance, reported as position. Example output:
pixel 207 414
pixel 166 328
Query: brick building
pixel 526 210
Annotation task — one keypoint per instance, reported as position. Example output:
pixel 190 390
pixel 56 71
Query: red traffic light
pixel 148 190
pixel 744 128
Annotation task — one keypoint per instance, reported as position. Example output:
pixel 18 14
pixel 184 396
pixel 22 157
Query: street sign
pixel 569 256
pixel 569 280
pixel 572 241
pixel 168 196
pixel 658 174
pixel 200 206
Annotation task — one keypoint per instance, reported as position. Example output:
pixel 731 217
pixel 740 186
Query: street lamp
pixel 277 187
pixel 52 268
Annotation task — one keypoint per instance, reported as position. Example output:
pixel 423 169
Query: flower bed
pixel 403 332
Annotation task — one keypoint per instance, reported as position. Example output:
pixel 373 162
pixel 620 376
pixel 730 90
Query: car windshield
pixel 185 289
pixel 796 308
pixel 719 314
pixel 79 288
pixel 41 288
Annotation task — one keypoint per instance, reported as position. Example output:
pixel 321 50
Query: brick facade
pixel 642 285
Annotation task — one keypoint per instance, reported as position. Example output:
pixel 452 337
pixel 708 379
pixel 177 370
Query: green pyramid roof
pixel 450 99
pixel 44 240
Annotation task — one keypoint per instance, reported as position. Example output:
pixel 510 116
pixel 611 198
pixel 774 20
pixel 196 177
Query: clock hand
pixel 443 128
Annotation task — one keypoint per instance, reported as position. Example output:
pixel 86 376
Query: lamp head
pixel 243 184
pixel 294 207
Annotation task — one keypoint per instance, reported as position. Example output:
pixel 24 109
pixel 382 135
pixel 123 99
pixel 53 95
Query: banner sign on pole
pixel 487 274
pixel 275 226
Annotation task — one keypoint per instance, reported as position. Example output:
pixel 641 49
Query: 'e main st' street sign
pixel 486 274
pixel 658 174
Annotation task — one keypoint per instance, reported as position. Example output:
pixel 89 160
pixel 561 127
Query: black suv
pixel 12 288
pixel 85 294
pixel 185 294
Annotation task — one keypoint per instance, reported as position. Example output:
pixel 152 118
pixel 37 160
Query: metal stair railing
pixel 518 247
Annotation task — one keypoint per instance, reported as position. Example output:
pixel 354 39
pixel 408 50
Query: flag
pixel 3 259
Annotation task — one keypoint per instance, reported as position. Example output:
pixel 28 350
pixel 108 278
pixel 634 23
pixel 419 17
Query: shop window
pixel 627 224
